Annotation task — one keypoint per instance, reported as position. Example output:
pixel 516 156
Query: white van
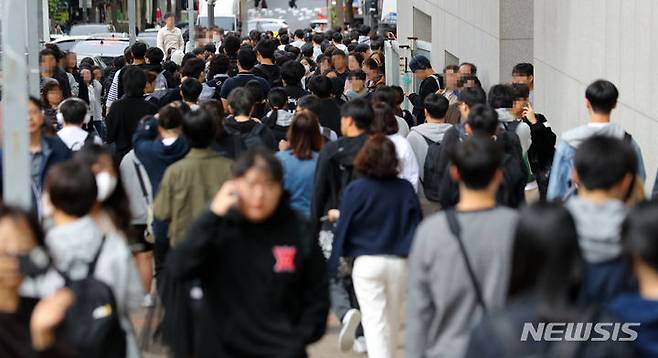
pixel 226 14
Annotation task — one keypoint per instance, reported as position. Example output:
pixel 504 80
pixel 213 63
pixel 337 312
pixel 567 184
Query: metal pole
pixel 131 21
pixel 243 17
pixel 211 13
pixel 16 177
pixel 45 15
pixel 191 44
pixel 33 20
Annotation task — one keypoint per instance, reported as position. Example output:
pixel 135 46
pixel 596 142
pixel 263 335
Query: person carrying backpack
pixel 73 114
pixel 459 260
pixel 97 267
pixel 484 120
pixel 249 132
pixel 425 140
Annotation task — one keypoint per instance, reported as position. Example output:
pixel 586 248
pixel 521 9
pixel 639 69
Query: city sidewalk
pixel 327 347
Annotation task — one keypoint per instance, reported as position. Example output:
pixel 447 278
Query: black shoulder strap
pixel 142 185
pixel 628 138
pixel 92 264
pixel 456 232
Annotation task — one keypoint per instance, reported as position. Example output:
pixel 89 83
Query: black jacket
pixel 272 73
pixel 294 92
pixel 542 150
pixel 332 174
pixel 328 113
pixel 265 288
pixel 122 120
pixel 63 80
pixel 511 192
pixel 427 86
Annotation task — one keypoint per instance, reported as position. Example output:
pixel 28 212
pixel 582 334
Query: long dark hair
pixel 384 120
pixel 304 135
pixel 547 262
pixel 117 205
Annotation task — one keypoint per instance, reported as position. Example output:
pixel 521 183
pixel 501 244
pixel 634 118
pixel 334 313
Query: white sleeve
pixel 114 90
pixel 408 164
pixel 523 131
pixel 160 42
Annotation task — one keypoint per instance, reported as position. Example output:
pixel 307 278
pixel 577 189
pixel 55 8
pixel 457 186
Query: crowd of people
pixel 256 185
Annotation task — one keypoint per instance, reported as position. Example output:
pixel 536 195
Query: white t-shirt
pixel 74 137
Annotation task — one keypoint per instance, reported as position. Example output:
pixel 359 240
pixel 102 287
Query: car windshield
pixel 104 48
pixel 89 29
pixel 225 22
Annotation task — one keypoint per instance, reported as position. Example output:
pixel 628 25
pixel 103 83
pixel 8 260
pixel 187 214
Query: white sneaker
pixel 147 301
pixel 360 345
pixel 348 330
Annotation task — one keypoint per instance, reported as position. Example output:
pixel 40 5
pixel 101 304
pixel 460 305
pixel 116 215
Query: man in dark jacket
pixel 159 143
pixel 48 60
pixel 328 109
pixel 266 67
pixel 125 114
pixel 483 120
pixel 292 73
pixel 542 149
pixel 430 83
pixel 333 172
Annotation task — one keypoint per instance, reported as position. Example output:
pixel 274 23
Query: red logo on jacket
pixel 285 258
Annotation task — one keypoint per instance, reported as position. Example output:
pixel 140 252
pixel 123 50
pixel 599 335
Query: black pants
pixel 160 248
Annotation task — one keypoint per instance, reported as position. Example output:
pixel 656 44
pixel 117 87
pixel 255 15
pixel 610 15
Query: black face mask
pixel 35 263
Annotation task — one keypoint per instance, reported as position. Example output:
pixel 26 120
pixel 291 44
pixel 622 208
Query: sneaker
pixel 360 345
pixel 147 301
pixel 348 330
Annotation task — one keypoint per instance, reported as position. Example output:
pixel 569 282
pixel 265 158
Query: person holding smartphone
pixel 263 274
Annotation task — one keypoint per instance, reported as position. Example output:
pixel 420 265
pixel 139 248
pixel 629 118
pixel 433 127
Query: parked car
pixel 263 25
pixel 103 50
pixel 90 29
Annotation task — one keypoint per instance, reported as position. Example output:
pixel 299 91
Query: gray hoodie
pixel 283 117
pixel 599 227
pixel 522 130
pixel 72 246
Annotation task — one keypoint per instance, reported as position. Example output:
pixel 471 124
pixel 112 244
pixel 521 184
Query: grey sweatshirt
pixel 599 227
pixel 73 246
pixel 442 305
pixel 522 130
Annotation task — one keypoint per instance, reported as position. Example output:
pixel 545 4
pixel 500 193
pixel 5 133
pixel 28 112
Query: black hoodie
pixel 265 288
pixel 332 174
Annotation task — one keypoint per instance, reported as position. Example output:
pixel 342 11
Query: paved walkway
pixel 327 347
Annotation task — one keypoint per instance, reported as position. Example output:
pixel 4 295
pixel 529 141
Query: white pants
pixel 378 283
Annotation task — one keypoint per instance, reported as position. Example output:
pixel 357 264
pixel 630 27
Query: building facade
pixel 571 43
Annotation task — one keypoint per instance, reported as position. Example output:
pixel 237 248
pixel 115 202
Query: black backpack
pixel 431 172
pixel 92 322
pixel 242 142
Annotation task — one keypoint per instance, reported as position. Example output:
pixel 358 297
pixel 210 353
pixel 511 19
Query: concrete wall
pixel 493 34
pixel 577 42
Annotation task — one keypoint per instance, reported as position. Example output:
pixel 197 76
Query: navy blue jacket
pixel 54 152
pixel 153 154
pixel 631 307
pixel 377 217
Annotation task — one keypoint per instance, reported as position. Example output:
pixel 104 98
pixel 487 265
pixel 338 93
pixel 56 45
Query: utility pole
pixel 16 177
pixel 191 19
pixel 131 21
pixel 244 17
pixel 45 15
pixel 32 23
pixel 211 13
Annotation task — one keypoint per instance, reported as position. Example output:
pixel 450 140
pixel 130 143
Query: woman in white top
pixel 385 122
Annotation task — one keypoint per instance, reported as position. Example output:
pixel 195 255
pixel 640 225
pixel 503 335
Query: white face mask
pixel 106 183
